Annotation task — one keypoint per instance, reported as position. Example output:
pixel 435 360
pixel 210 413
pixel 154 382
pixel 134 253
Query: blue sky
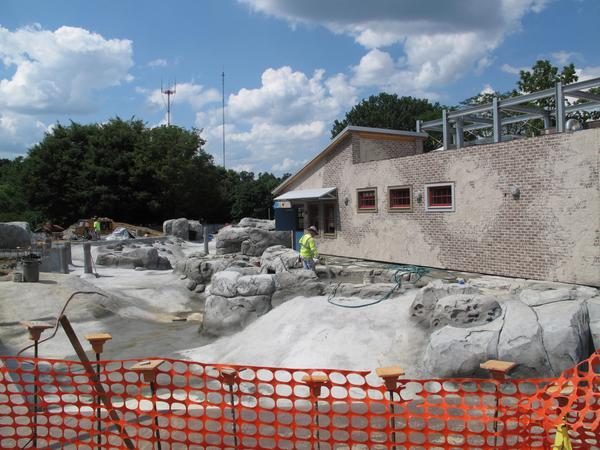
pixel 292 67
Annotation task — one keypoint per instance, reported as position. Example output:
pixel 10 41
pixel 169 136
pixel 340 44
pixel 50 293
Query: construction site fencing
pixel 183 404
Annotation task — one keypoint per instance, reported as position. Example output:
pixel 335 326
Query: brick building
pixel 525 208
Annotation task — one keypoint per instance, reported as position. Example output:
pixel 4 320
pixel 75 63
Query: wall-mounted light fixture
pixel 346 200
pixel 419 197
pixel 515 191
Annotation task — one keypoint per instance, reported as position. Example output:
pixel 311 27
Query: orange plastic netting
pixel 204 406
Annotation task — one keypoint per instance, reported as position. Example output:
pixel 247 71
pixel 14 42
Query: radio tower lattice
pixel 169 92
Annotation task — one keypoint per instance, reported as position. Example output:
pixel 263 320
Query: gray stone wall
pixel 551 232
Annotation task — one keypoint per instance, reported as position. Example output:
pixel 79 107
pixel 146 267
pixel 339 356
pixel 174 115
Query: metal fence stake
pixel 391 376
pixel 97 341
pixel 148 370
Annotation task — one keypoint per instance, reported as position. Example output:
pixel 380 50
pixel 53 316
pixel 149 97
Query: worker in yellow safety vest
pixel 308 248
pixel 97 228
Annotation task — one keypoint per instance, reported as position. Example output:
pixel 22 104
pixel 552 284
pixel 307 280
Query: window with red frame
pixel 329 213
pixel 439 196
pixel 400 198
pixel 367 200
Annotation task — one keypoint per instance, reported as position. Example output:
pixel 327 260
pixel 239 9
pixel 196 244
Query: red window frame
pixel 400 198
pixel 367 200
pixel 440 196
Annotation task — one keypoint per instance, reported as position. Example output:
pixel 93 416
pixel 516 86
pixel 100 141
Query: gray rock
pixel 255 285
pixel 534 297
pixel 224 284
pixel 180 228
pixel 296 283
pixel 191 285
pixel 147 258
pixel 168 226
pixel 565 332
pixel 424 303
pixel 223 315
pixel 521 341
pixel 195 229
pixel 278 259
pixel 465 310
pixel 15 234
pixel 372 291
pixel 200 288
pixel 257 223
pixel 259 240
pixel 593 307
pixel 229 239
pixel 457 352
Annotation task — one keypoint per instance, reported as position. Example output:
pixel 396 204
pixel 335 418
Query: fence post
pixel 316 382
pixel 498 371
pixel 35 330
pixel 148 370
pixel 230 377
pixel 97 341
pixel 391 378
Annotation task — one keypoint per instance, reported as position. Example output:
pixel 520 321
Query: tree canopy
pixel 388 111
pixel 129 172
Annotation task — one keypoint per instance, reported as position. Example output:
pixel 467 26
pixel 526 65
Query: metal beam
pixel 478 119
pixel 584 95
pixel 524 109
pixel 514 101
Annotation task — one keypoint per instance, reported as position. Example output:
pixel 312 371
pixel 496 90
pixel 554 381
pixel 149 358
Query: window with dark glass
pixel 329 213
pixel 313 216
pixel 367 200
pixel 400 198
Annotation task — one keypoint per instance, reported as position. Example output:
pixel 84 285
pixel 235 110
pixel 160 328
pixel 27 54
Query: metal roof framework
pixel 453 124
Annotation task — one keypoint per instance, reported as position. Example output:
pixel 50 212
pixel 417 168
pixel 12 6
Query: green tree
pixel 13 204
pixel 388 111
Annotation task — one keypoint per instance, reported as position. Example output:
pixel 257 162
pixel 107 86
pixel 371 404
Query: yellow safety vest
pixel 308 248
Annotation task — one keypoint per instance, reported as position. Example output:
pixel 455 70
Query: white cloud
pixel 563 57
pixel 19 132
pixel 287 165
pixel 53 73
pixel 441 40
pixel 58 71
pixel 585 73
pixel 158 63
pixel 195 95
pixel 487 89
pixel 290 113
pixel 512 69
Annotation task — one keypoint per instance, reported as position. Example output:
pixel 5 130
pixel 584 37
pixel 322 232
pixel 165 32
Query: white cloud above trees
pixel 49 73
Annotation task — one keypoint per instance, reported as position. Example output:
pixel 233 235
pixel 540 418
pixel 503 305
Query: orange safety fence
pixel 206 406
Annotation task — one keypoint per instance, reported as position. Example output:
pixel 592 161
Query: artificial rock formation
pixel 144 257
pixel 544 331
pixel 183 228
pixel 15 234
pixel 250 241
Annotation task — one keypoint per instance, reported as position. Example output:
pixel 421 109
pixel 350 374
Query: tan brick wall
pixel 552 232
pixel 379 149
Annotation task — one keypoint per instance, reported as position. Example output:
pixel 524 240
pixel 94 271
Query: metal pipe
pixel 98 409
pixel 156 429
pixel 317 423
pixel 233 416
pixel 35 393
pixel 392 419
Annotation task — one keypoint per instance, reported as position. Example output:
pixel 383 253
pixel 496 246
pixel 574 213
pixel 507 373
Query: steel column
pixel 496 119
pixel 560 108
pixel 459 139
pixel 445 131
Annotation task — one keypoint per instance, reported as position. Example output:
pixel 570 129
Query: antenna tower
pixel 223 109
pixel 170 91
